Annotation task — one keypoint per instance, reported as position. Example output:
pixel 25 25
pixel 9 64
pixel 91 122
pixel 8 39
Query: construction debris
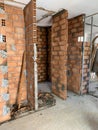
pixel 46 99
pixel 15 111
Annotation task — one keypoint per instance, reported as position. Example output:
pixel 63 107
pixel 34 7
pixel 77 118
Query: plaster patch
pixel 4 83
pixel 13 47
pixel 2 11
pixel 30 86
pixel 1 41
pixel 3 54
pixel 4 69
pixel 6 110
pixel 25 72
pixel 5 96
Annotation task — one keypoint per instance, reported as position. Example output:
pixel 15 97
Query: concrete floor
pixel 44 86
pixel 93 87
pixel 76 113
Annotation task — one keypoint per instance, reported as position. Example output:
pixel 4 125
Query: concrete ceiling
pixel 74 7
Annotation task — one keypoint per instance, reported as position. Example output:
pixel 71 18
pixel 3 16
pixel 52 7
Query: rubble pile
pixel 46 99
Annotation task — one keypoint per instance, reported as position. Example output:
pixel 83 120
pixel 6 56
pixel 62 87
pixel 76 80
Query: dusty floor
pixel 93 87
pixel 76 113
pixel 44 86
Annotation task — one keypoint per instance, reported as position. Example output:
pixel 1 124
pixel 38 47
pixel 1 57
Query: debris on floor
pixel 46 99
pixel 16 111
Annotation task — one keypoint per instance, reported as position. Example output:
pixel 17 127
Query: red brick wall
pixel 86 65
pixel 49 53
pixel 4 89
pixel 15 46
pixel 59 54
pixel 44 53
pixel 75 30
pixel 31 38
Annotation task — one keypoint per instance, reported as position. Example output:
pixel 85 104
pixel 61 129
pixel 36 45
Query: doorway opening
pixel 45 96
pixel 91 38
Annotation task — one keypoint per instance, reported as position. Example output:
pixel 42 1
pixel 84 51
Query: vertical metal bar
pixel 35 77
pixel 90 49
pixel 83 55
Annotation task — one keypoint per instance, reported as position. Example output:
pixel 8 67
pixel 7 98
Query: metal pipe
pixel 90 24
pixel 35 77
pixel 92 15
pixel 83 57
pixel 91 49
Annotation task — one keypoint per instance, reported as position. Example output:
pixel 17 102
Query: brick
pixel 19 30
pixel 31 38
pixel 14 31
pixel 59 43
pixel 74 53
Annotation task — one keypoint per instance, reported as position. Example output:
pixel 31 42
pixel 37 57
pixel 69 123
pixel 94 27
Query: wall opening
pixel 44 57
pixel 3 22
pixel 45 97
pixel 91 54
pixel 75 52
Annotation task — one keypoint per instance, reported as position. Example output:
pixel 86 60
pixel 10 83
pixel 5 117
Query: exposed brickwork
pixel 4 93
pixel 87 51
pixel 59 54
pixel 15 46
pixel 49 53
pixel 75 30
pixel 44 53
pixel 31 38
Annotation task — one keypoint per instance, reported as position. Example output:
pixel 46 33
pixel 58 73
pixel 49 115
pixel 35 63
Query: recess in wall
pixel 4 38
pixel 3 22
